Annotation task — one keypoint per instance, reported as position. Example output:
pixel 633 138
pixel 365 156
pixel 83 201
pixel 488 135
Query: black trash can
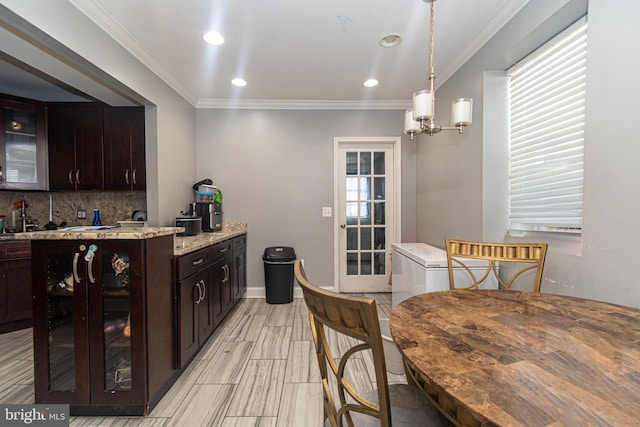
pixel 278 274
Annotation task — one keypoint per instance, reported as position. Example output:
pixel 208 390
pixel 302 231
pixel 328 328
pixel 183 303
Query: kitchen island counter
pixel 99 233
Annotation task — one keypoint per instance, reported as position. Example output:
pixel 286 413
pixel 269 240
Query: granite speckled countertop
pixel 98 233
pixel 185 244
pixel 181 244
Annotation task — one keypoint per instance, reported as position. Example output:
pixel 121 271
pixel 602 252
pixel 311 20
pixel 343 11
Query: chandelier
pixel 421 119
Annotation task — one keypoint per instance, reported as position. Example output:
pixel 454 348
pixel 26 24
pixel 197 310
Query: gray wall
pixel 456 176
pixel 170 118
pixel 275 170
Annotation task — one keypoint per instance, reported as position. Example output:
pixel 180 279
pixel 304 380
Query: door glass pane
pixel 365 163
pixel 379 213
pixel 352 264
pixel 378 190
pixel 20 143
pixel 352 213
pixel 352 163
pixel 365 238
pixel 365 263
pixel 379 263
pixel 378 163
pixel 60 312
pixel 352 239
pixel 365 188
pixel 352 188
pixel 379 237
pixel 365 213
pixel 117 328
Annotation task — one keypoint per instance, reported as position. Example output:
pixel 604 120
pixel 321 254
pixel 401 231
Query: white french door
pixel 366 203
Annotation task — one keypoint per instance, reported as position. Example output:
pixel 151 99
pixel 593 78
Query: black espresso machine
pixel 206 206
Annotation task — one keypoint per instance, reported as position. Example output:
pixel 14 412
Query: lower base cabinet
pixel 103 324
pixel 206 294
pixel 15 285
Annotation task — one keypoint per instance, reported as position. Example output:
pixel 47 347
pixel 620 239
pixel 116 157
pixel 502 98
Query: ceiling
pixel 297 53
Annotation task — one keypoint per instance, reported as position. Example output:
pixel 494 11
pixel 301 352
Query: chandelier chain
pixel 432 72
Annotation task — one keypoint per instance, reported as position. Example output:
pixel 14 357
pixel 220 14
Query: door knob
pixel 343 225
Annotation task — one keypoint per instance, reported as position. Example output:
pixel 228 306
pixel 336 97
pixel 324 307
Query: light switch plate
pixel 326 211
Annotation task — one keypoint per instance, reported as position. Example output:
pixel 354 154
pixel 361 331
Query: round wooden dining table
pixel 508 358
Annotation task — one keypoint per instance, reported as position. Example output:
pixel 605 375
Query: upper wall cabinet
pixel 123 147
pixel 96 148
pixel 75 148
pixel 23 145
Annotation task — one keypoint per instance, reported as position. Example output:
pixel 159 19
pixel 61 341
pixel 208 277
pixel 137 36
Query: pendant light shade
pixel 461 110
pixel 423 105
pixel 411 127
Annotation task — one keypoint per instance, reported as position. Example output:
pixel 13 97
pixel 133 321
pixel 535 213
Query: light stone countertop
pixel 186 244
pixel 98 233
pixel 181 244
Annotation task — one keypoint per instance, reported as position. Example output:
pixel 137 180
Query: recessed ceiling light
pixel 370 83
pixel 390 40
pixel 238 82
pixel 213 38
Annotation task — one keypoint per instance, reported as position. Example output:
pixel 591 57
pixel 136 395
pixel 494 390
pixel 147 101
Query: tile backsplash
pixel 113 206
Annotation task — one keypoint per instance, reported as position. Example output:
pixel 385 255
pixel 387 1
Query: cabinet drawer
pixel 15 249
pixel 191 263
pixel 239 241
pixel 220 250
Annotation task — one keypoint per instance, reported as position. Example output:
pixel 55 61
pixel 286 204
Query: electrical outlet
pixel 326 211
pixel 82 214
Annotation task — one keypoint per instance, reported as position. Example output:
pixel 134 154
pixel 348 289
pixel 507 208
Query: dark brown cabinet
pixel 223 272
pixel 96 147
pixel 23 145
pixel 75 148
pixel 239 245
pixel 124 162
pixel 206 281
pixel 198 299
pixel 15 285
pixel 104 335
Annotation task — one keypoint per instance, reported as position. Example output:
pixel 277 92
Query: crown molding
pixel 269 104
pixel 110 26
pixel 488 30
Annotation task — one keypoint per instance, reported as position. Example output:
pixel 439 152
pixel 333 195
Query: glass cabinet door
pixel 116 320
pixel 22 147
pixel 64 292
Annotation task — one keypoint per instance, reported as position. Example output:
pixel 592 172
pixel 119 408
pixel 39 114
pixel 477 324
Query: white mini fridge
pixel 417 268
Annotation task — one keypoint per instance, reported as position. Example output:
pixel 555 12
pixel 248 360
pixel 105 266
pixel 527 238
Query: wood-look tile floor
pixel 257 370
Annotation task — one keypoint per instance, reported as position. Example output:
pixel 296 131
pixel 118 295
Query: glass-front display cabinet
pixel 90 337
pixel 23 145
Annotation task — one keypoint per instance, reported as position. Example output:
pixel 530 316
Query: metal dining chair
pixel 514 266
pixel 357 318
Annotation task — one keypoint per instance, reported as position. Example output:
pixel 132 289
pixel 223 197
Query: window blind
pixel 547 121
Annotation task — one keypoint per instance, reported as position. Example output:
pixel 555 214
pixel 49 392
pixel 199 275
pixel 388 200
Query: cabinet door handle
pixel 197 262
pixel 225 268
pixel 90 269
pixel 135 181
pixel 75 267
pixel 126 177
pixel 78 176
pixel 71 176
pixel 204 290
pixel 199 293
pixel 223 250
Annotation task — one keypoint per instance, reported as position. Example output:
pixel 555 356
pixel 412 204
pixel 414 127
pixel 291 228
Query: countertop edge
pixel 186 244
